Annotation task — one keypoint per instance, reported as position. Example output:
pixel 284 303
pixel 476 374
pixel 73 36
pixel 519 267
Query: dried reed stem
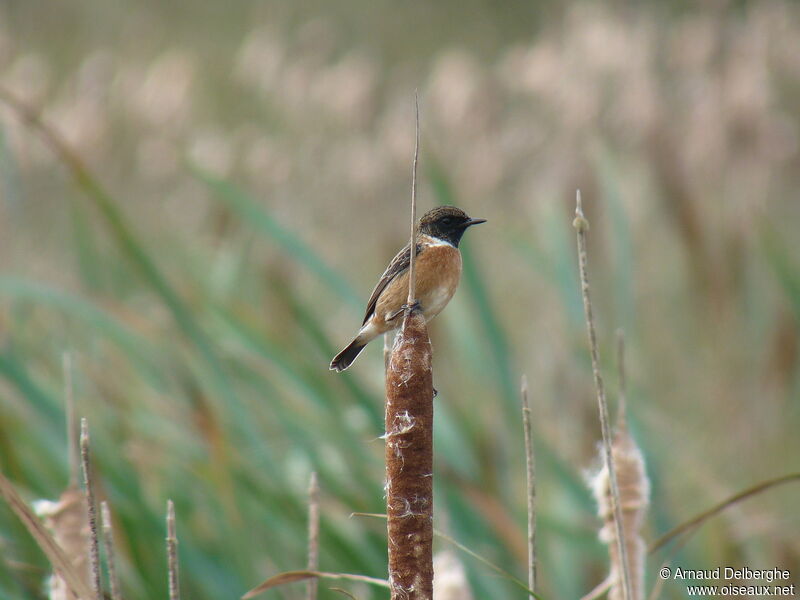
pixel 72 429
pixel 91 510
pixel 172 553
pixel 412 284
pixel 108 538
pixel 481 559
pixel 531 478
pixel 66 520
pixel 312 584
pixel 633 483
pixel 600 589
pixel 634 495
pixel 55 554
pixel 581 226
pixel 634 490
pixel 294 576
pixel 692 524
pixel 409 462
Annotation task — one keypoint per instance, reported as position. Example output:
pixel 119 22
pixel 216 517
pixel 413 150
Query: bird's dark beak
pixel 472 222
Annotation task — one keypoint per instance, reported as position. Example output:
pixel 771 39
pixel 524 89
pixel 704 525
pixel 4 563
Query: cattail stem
pixel 582 225
pixel 91 511
pixel 108 538
pixel 412 284
pixel 172 553
pixel 531 479
pixel 409 462
pixel 312 584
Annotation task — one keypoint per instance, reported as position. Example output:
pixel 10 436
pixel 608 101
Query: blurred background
pixel 256 158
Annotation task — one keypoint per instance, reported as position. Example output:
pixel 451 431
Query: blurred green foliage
pixel 253 165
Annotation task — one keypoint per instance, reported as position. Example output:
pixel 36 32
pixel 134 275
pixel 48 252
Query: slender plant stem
pixel 55 554
pixel 483 560
pixel 600 589
pixel 683 532
pixel 343 592
pixel 531 478
pixel 412 283
pixel 172 553
pixel 72 426
pixel 294 576
pixel 116 223
pixel 582 226
pixel 699 519
pixel 91 510
pixel 312 584
pixel 108 538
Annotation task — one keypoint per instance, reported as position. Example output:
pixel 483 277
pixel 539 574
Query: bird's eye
pixel 447 221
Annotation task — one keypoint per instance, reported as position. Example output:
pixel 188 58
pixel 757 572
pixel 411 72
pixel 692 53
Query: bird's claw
pixel 405 308
pixel 412 307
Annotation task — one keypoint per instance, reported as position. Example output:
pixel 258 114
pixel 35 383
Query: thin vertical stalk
pixel 312 584
pixel 412 284
pixel 172 553
pixel 108 538
pixel 72 429
pixel 91 511
pixel 582 226
pixel 531 479
pixel 55 554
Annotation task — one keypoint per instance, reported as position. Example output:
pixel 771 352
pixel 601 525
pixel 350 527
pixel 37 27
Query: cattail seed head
pixel 634 493
pixel 409 462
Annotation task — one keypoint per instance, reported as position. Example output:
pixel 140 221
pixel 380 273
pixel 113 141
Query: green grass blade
pixel 786 270
pixel 89 261
pixel 134 345
pixel 8 172
pixel 621 240
pixel 256 216
pixel 153 276
pixel 476 288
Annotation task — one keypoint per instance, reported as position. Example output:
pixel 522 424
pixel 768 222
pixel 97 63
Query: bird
pixel 437 271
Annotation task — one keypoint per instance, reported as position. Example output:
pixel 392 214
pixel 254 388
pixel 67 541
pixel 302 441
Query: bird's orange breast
pixel 437 271
pixel 438 274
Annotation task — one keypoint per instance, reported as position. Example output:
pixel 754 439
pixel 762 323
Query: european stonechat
pixel 437 270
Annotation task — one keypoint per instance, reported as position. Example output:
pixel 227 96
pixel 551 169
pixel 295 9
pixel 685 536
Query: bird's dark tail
pixel 346 357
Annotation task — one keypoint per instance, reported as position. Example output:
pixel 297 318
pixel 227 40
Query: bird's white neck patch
pixel 430 241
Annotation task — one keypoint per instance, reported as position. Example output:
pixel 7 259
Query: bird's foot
pixel 412 307
pixel 405 308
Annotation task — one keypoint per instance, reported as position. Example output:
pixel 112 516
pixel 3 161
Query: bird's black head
pixel 446 223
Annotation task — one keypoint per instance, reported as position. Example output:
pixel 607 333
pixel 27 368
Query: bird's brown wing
pixel 397 267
